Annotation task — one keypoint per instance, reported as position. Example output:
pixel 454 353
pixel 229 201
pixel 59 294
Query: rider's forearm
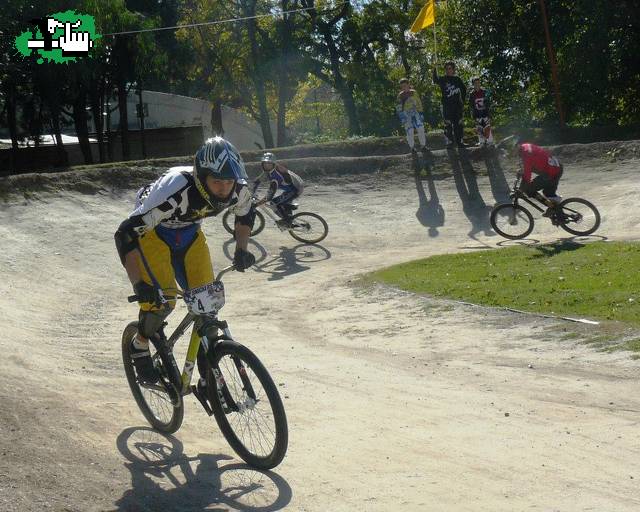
pixel 273 188
pixel 242 236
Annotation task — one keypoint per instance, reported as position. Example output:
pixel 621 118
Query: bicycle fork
pixel 199 337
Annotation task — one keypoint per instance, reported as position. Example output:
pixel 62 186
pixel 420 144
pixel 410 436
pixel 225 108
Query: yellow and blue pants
pixel 172 255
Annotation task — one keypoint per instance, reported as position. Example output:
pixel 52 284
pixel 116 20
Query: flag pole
pixel 435 39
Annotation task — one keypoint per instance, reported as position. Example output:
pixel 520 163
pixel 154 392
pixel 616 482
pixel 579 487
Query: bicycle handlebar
pixel 224 271
pixel 179 293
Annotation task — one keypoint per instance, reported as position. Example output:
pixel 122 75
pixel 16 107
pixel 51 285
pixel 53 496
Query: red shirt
pixel 537 160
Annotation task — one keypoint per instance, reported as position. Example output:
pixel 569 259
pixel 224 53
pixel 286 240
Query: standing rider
pixel 479 103
pixel 454 94
pixel 161 240
pixel 280 178
pixel 409 109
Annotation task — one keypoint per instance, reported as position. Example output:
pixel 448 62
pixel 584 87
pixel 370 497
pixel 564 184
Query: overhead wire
pixel 213 22
pixel 219 22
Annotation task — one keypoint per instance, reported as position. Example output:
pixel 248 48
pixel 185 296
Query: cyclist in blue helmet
pixel 284 186
pixel 161 241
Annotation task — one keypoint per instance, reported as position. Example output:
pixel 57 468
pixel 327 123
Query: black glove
pixel 146 293
pixel 242 259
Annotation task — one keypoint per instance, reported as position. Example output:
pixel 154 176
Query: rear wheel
pixel 578 216
pixel 228 223
pixel 511 221
pixel 248 408
pixel 308 227
pixel 160 403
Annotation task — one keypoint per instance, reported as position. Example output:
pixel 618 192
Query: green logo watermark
pixel 60 37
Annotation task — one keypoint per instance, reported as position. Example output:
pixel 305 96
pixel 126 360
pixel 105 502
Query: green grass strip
pixel 599 281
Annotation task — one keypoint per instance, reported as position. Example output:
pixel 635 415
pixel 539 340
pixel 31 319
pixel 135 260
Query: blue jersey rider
pixel 282 180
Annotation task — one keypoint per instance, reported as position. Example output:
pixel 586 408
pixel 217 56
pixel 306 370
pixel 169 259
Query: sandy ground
pixel 394 402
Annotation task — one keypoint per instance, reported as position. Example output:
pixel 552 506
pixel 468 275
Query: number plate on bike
pixel 205 299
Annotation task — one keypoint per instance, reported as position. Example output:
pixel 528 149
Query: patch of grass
pixel 602 343
pixel 597 281
pixel 632 345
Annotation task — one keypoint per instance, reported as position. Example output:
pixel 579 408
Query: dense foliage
pixel 330 70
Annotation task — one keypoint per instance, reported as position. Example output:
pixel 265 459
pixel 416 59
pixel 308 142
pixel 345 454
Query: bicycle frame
pixel 269 212
pixel 198 337
pixel 516 194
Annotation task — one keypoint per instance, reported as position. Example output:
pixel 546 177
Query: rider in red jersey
pixel 536 160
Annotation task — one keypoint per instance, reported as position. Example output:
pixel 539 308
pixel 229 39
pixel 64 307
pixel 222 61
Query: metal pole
pixel 554 67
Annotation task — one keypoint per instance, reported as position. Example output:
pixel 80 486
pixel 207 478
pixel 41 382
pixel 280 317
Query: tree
pixel 327 56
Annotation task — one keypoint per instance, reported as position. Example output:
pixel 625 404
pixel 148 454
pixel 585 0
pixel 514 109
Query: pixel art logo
pixel 60 37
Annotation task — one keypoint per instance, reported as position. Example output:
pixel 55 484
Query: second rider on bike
pixel 161 240
pixel 280 179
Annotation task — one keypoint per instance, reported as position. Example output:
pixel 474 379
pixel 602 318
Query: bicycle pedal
pixel 203 400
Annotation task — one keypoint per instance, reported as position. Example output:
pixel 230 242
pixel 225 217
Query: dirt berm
pixel 394 402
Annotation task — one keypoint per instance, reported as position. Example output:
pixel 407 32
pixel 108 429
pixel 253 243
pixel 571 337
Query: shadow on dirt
pixel 164 478
pixel 473 204
pixel 430 212
pixel 254 248
pixel 499 186
pixel 291 260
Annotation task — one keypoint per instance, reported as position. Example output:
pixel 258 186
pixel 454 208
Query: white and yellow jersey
pixel 174 201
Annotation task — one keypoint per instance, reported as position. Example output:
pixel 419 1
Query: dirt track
pixel 394 402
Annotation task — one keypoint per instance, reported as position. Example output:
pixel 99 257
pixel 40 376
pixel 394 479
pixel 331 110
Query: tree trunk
pixel 258 75
pixel 124 118
pixel 38 125
pixel 53 96
pixel 402 51
pixel 402 46
pixel 340 83
pixel 80 122
pixel 284 89
pixel 141 114
pixel 11 115
pixel 283 85
pixel 10 105
pixel 109 133
pixel 96 103
pixel 349 105
pixel 216 119
pixel 63 158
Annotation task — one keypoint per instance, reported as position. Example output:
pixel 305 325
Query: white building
pixel 163 110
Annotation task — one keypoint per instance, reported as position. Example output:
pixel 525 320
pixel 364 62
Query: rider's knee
pixel 150 322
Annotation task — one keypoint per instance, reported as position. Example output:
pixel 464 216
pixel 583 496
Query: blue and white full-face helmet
pixel 219 159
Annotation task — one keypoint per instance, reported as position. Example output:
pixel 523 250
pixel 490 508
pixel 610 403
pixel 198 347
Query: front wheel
pixel 160 403
pixel 308 227
pixel 511 221
pixel 227 222
pixel 578 216
pixel 247 405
